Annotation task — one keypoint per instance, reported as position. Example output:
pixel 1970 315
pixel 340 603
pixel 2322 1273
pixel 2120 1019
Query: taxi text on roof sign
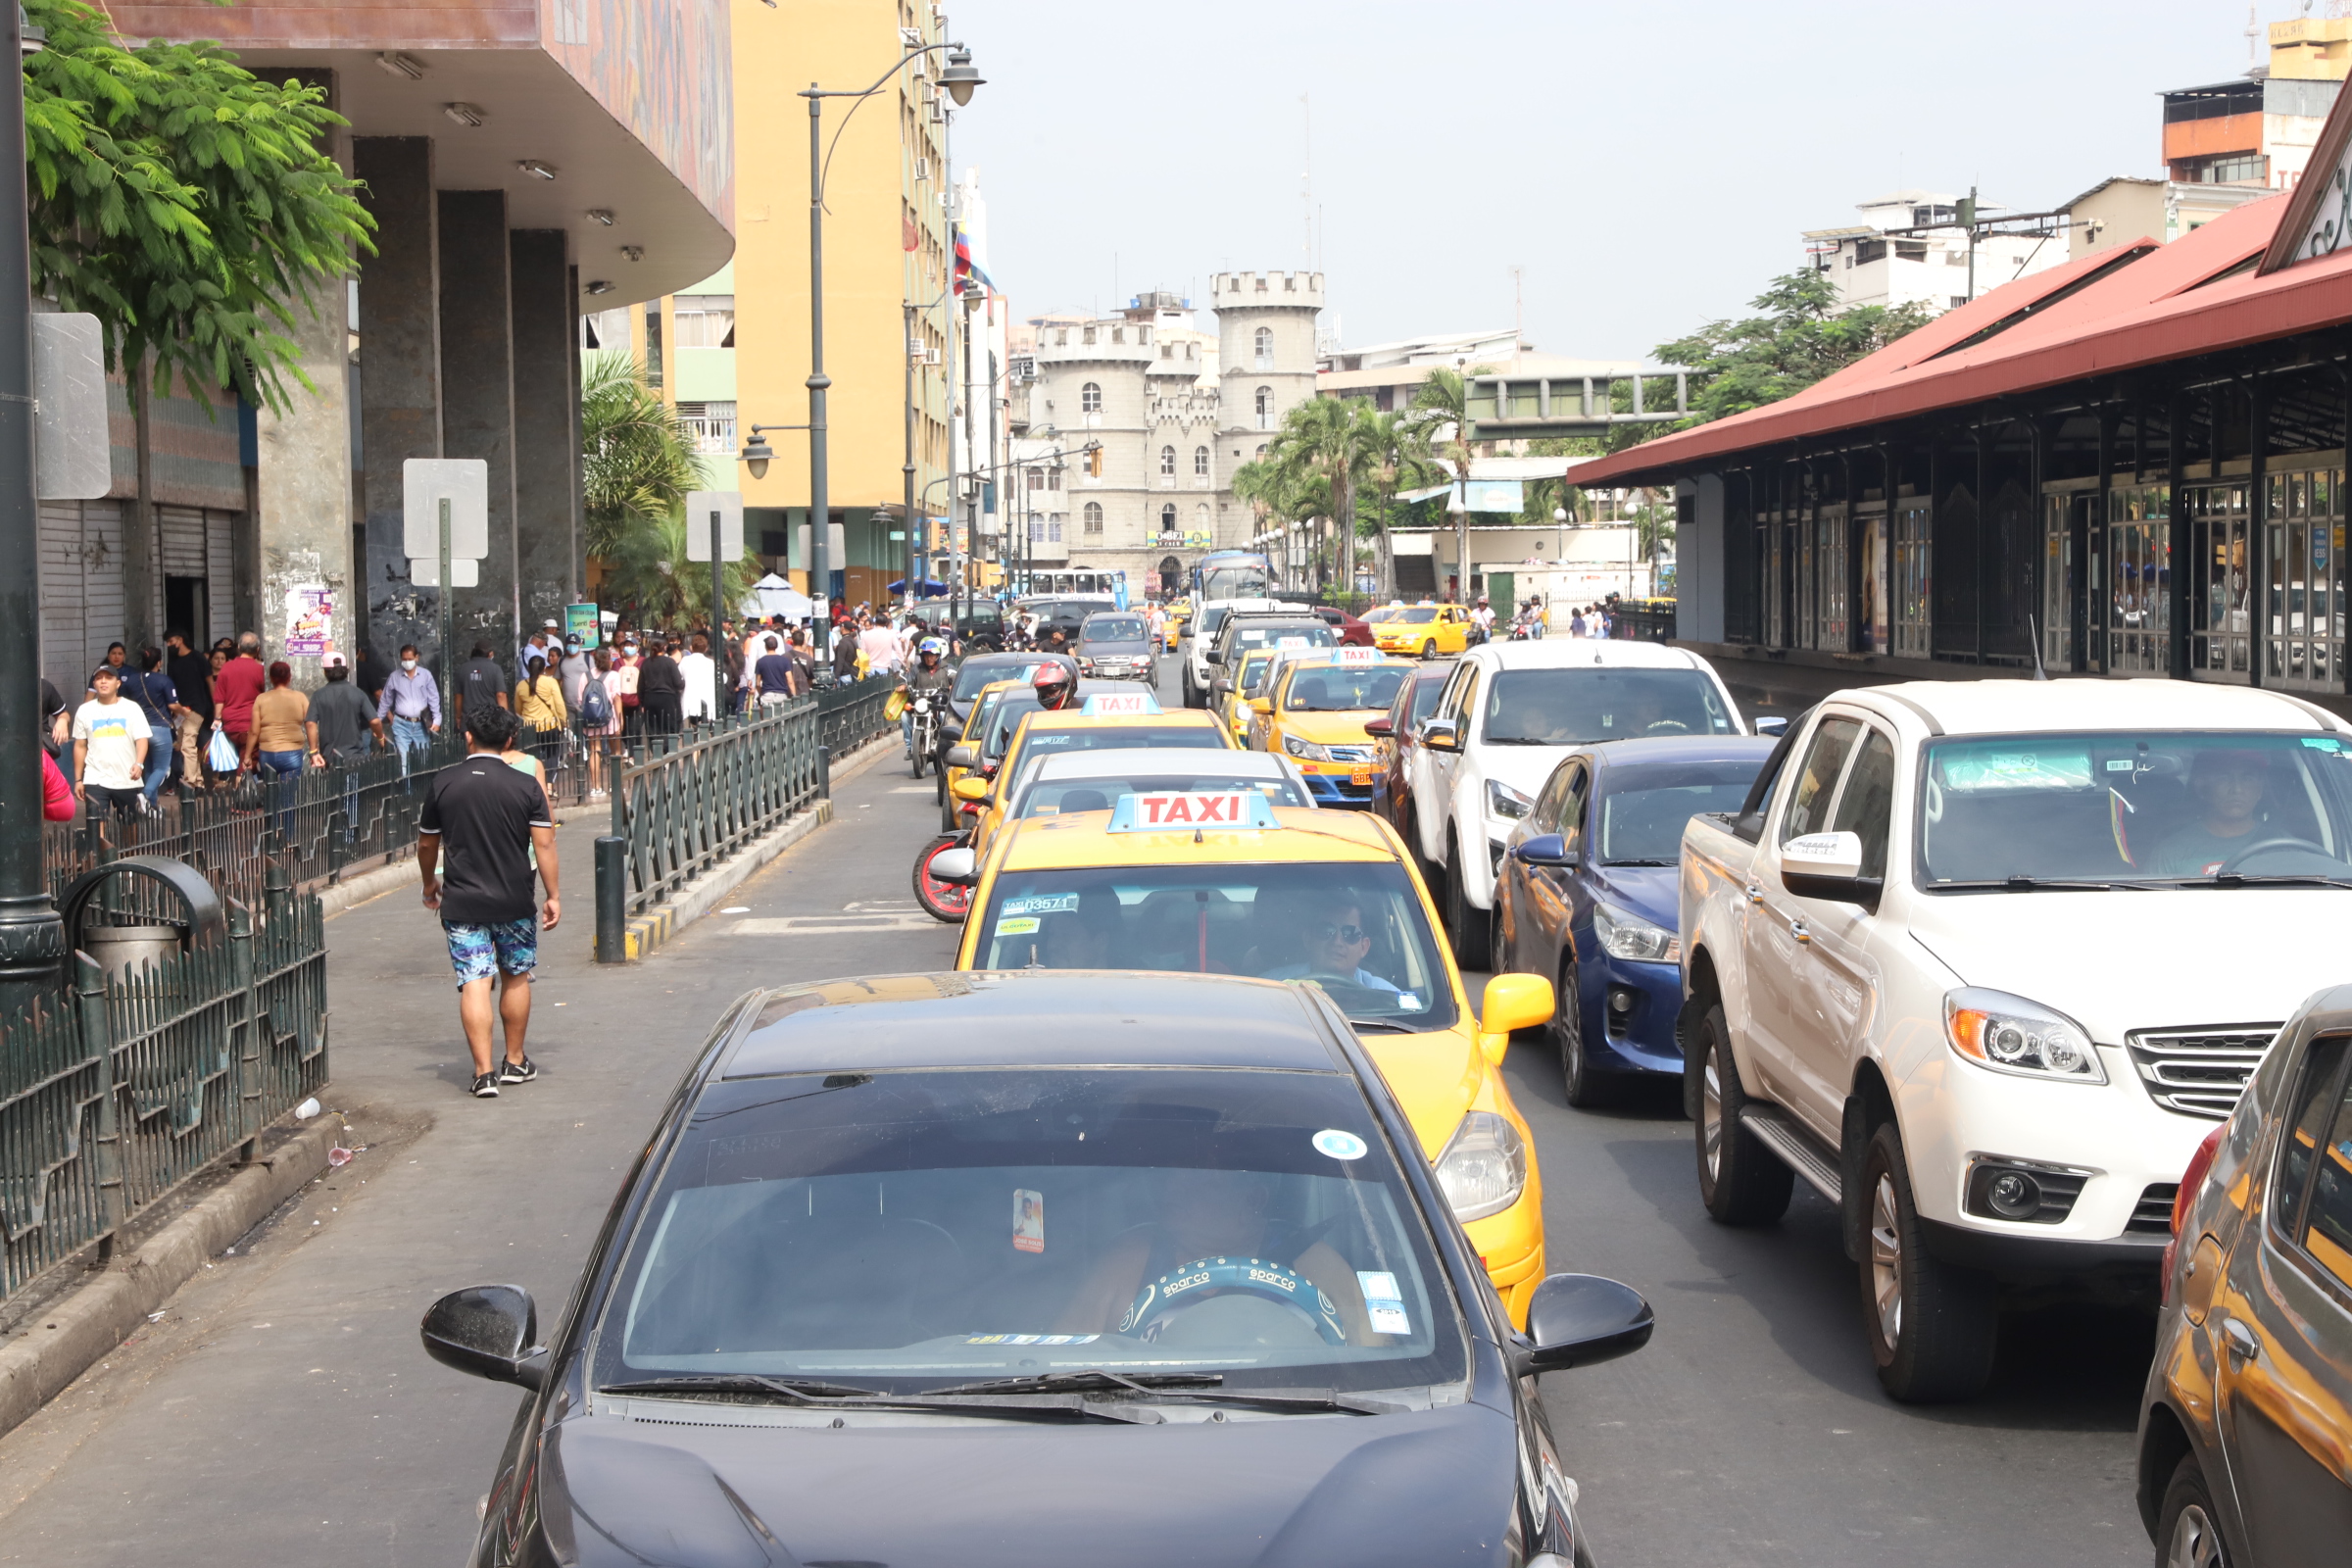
pixel 1119 704
pixel 1356 656
pixel 1218 808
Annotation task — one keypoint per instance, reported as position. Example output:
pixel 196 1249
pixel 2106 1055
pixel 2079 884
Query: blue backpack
pixel 596 709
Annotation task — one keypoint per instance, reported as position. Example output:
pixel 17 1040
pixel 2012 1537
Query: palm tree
pixel 1396 459
pixel 1329 438
pixel 1441 427
pixel 638 461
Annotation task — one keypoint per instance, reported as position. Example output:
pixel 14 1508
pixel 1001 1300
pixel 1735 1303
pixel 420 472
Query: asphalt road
pixel 281 1411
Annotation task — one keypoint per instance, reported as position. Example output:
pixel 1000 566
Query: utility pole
pixel 820 499
pixel 33 939
pixel 1968 220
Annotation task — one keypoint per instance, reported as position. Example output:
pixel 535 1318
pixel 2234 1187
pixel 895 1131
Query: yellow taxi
pixel 976 726
pixel 1313 711
pixel 1225 882
pixel 1107 721
pixel 1177 613
pixel 1423 631
pixel 1233 705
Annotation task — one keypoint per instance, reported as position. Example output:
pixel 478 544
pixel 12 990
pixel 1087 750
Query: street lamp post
pixel 959 79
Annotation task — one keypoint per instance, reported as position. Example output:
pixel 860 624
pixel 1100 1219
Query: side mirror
pixel 962 755
pixel 957 866
pixel 1511 1001
pixel 1381 728
pixel 1213 656
pixel 1772 724
pixel 1442 735
pixel 1582 1320
pixel 970 788
pixel 1261 705
pixel 1545 848
pixel 487 1331
pixel 1829 865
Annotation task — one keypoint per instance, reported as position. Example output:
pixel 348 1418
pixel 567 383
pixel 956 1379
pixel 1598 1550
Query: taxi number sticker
pixel 1116 704
pixel 1041 904
pixel 1384 1303
pixel 1016 926
pixel 1028 1220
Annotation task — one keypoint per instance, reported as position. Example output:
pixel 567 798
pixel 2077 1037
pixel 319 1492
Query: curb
pixel 334 898
pixel 91 1321
pixel 663 921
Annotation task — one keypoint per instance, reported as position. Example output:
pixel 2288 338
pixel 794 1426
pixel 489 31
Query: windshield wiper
pixel 2035 884
pixel 1085 1378
pixel 1523 740
pixel 841 1395
pixel 1178 1387
pixel 2273 879
pixel 1383 1023
pixel 1637 862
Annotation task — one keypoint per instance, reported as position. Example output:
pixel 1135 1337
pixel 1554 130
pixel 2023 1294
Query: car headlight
pixel 1505 802
pixel 2009 1034
pixel 1623 934
pixel 1484 1168
pixel 1306 749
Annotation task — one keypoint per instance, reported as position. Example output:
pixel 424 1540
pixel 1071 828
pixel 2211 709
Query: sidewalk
pixel 281 1410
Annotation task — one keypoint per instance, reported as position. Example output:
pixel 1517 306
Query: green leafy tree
pixel 637 465
pixel 1799 337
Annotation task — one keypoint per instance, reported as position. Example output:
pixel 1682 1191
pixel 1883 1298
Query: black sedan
pixel 1032 1268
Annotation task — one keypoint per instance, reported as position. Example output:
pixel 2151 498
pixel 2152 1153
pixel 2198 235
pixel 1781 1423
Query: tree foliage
pixel 1800 337
pixel 637 466
pixel 183 201
pixel 1339 462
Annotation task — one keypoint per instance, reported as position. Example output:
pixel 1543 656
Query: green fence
pixel 118 1090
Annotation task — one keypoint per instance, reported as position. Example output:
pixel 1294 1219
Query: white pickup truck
pixel 1982 962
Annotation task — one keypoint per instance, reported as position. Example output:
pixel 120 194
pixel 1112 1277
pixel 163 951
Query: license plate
pixel 1361 775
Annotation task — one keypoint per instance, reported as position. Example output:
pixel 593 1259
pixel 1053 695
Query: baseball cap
pixel 333 662
pixel 552 624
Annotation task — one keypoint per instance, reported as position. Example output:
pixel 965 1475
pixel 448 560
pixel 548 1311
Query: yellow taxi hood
pixel 1435 1077
pixel 1343 728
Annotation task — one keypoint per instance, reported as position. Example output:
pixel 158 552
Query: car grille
pixel 2199 1072
pixel 1350 753
pixel 2152 1216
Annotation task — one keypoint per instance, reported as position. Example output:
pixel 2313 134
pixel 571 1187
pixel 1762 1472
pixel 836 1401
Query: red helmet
pixel 1054 684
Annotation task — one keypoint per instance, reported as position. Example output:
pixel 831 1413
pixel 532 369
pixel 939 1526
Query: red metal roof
pixel 2170 303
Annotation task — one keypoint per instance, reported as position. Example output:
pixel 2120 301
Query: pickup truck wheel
pixel 1931 1325
pixel 1586 1089
pixel 1465 922
pixel 1739 1180
pixel 2186 1532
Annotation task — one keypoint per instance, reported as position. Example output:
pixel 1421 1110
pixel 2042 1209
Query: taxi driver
pixel 1336 941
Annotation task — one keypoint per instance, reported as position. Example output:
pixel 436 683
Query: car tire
pixel 1465 922
pixel 1585 1086
pixel 1429 648
pixel 1498 958
pixel 2188 1531
pixel 1931 1326
pixel 1739 1181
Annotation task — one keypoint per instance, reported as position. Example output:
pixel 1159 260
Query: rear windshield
pixel 1063 796
pixel 1642 814
pixel 1113 629
pixel 973 676
pixel 1296 634
pixel 1100 737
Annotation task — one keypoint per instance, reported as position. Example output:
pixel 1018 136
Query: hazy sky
pixel 1649 166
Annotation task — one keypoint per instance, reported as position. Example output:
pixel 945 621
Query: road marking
pixel 881 907
pixel 916 789
pixel 819 925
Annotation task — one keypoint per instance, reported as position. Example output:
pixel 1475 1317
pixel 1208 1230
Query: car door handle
pixel 2240 1340
pixel 1796 929
pixel 1756 893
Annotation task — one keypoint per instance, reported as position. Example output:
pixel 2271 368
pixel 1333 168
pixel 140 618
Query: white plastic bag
pixel 222 755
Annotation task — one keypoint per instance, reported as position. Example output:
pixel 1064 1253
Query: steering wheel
pixel 1206 1277
pixel 2252 850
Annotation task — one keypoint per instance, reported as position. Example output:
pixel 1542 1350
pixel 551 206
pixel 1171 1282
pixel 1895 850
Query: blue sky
pixel 1647 165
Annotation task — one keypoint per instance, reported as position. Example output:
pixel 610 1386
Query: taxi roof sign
pixel 1225 810
pixel 1357 656
pixel 1119 704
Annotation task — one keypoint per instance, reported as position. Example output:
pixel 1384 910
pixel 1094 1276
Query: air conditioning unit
pixel 930 356
pixel 922 169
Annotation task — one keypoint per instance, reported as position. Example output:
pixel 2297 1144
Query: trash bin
pixel 125 949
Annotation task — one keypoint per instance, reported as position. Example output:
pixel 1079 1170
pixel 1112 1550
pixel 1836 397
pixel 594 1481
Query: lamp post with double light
pixel 959 79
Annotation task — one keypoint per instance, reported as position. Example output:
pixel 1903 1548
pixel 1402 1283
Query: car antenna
pixel 2040 673
pixel 1197 838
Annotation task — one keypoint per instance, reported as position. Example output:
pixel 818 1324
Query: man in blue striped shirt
pixel 412 702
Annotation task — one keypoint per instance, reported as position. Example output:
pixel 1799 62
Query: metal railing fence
pixel 852 714
pixel 117 1090
pixel 685 803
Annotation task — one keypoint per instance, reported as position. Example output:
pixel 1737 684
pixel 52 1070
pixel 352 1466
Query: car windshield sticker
pixel 2120 765
pixel 1016 925
pixel 1028 1220
pixel 1408 1000
pixel 2323 743
pixel 1291 642
pixel 1384 1303
pixel 1041 904
pixel 2008 765
pixel 1340 1143
pixel 1031 1338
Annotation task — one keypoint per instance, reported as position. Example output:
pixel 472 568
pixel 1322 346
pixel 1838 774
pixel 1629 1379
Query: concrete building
pixel 2259 129
pixel 1903 253
pixel 517 162
pixel 1175 410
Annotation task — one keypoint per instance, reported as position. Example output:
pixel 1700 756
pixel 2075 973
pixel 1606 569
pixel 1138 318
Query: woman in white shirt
pixel 702 680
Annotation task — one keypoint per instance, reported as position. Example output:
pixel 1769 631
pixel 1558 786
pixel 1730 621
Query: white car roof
pixel 1158 760
pixel 2010 706
pixel 1566 652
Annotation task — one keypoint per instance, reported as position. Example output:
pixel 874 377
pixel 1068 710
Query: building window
pixel 1265 408
pixel 653 343
pixel 1261 449
pixel 1037 478
pixel 1201 463
pixel 1094 517
pixel 1053 526
pixel 1168 519
pixel 1913 590
pixel 710 426
pixel 1053 477
pixel 704 320
pixel 1201 518
pixel 1089 334
pixel 1263 339
pixel 1168 461
pixel 1094 464
pixel 1089 398
pixel 1061 337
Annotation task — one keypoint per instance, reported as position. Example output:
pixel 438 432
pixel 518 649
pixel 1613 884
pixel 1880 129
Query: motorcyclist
pixel 930 677
pixel 1055 687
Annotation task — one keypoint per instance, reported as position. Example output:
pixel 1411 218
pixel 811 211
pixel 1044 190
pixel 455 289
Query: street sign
pixel 700 505
pixel 466 482
pixel 71 459
pixel 580 620
pixel 463 571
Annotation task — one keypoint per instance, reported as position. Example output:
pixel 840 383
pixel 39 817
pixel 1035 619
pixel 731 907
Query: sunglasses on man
pixel 1325 931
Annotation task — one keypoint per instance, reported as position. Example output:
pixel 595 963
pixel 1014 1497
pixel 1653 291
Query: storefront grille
pixel 2221 587
pixel 2140 581
pixel 2303 602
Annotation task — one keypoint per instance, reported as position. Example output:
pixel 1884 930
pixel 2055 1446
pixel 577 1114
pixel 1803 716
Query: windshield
pixel 1063 796
pixel 975 674
pixel 1256 669
pixel 1244 581
pixel 1286 634
pixel 1428 687
pixel 1341 689
pixel 1206 623
pixel 1380 613
pixel 1358 928
pixel 1418 617
pixel 916 1230
pixel 1113 629
pixel 1004 718
pixel 1642 817
pixel 2123 806
pixel 1580 706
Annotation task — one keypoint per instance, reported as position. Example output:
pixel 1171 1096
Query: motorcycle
pixel 926 730
pixel 946 901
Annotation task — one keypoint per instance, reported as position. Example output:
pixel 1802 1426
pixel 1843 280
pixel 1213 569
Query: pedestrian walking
pixel 241 680
pixel 110 748
pixel 151 690
pixel 700 677
pixel 191 676
pixel 485 820
pixel 626 667
pixel 539 703
pixel 116 659
pixel 777 676
pixel 600 718
pixel 344 732
pixel 412 705
pixel 480 684
pixel 572 670
pixel 660 689
pixel 57 794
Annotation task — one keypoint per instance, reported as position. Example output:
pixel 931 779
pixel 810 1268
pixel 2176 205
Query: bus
pixel 1070 582
pixel 1232 575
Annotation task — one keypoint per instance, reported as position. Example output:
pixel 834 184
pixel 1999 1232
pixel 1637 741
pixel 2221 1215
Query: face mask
pixel 408 664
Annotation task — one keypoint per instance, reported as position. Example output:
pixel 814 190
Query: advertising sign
pixel 310 621
pixel 580 620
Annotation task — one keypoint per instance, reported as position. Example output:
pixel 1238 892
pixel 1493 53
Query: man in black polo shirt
pixel 485 818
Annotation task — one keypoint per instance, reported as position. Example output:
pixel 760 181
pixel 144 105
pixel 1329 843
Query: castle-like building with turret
pixel 1173 412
